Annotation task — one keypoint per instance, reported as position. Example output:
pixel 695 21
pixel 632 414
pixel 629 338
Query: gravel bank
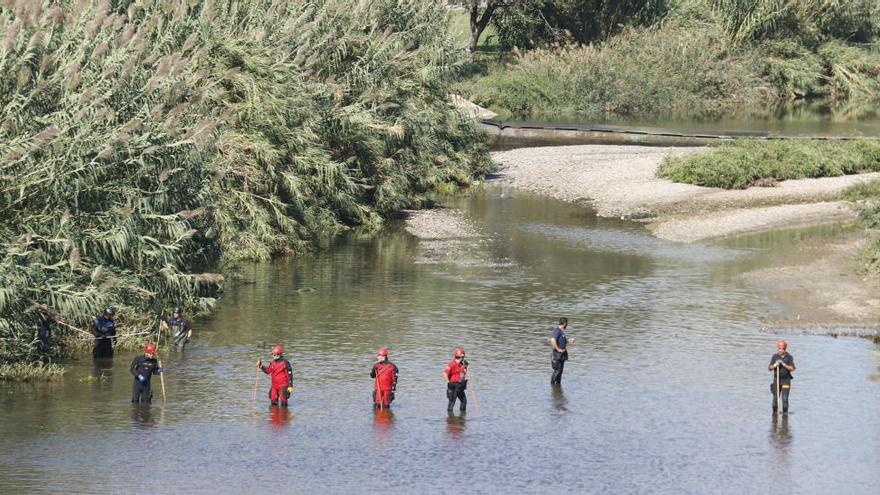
pixel 620 181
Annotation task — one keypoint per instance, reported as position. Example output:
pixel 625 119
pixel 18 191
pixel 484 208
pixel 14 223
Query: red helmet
pixel 383 352
pixel 782 343
pixel 458 352
pixel 150 349
pixel 278 349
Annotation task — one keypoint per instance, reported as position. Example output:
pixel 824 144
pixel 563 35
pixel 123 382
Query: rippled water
pixel 666 390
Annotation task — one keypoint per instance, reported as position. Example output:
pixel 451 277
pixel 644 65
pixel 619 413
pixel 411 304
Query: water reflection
pixel 383 422
pixel 279 417
pixel 142 416
pixel 455 425
pixel 558 399
pixel 780 434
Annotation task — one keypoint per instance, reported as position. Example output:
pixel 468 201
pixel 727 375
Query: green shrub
pixel 739 164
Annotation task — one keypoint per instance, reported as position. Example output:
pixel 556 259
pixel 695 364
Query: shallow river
pixel 666 391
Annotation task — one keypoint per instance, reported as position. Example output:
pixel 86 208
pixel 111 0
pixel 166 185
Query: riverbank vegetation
pixel 146 145
pixel 741 164
pixel 698 58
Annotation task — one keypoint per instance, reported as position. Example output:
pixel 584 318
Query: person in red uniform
pixel 455 374
pixel 385 374
pixel 282 376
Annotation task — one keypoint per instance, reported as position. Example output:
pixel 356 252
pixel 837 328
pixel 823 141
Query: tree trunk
pixel 479 23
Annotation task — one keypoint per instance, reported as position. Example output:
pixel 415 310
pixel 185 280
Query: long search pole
pixel 778 395
pixel 161 378
pixel 473 393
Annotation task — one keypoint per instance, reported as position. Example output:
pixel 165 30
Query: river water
pixel 666 391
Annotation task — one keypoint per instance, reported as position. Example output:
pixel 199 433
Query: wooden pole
pixel 474 394
pixel 778 395
pixel 161 379
pixel 256 384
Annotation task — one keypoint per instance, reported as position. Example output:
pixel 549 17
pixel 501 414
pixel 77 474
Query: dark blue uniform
pixel 104 330
pixel 558 359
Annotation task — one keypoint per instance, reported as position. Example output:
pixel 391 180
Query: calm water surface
pixel 666 390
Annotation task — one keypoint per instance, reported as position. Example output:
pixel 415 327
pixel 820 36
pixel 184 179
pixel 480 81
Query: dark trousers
pixel 180 340
pixel 455 390
pixel 140 392
pixel 784 389
pixel 103 348
pixel 557 361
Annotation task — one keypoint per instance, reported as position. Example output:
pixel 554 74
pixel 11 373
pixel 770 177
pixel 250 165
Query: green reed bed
pixel 146 145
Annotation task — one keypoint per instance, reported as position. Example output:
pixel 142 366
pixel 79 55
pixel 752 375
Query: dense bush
pixel 675 67
pixel 142 143
pixel 741 163
pixel 705 58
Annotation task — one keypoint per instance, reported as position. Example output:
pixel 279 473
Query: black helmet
pixel 110 311
pixel 178 310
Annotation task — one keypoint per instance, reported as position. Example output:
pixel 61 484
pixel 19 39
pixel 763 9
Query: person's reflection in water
pixel 780 434
pixel 560 403
pixel 279 417
pixel 383 426
pixel 383 420
pixel 142 416
pixel 455 425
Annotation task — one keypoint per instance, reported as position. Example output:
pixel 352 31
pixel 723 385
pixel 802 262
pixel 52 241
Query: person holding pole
pixel 559 354
pixel 181 328
pixel 781 364
pixel 142 369
pixel 385 374
pixel 455 374
pixel 282 376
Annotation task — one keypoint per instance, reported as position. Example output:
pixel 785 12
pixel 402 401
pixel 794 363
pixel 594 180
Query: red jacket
pixel 281 371
pixel 455 371
pixel 385 374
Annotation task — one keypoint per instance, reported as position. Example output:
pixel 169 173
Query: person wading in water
pixel 385 374
pixel 104 330
pixel 142 369
pixel 282 376
pixel 181 328
pixel 559 354
pixel 455 374
pixel 781 364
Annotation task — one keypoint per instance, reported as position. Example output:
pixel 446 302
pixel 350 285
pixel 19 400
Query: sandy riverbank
pixel 621 181
pixel 819 285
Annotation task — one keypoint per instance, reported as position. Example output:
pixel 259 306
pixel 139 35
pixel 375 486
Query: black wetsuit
pixel 104 330
pixel 144 367
pixel 784 380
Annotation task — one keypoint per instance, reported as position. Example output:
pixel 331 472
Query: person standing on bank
pixel 455 374
pixel 181 328
pixel 142 369
pixel 781 364
pixel 282 376
pixel 385 374
pixel 104 330
pixel 559 354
